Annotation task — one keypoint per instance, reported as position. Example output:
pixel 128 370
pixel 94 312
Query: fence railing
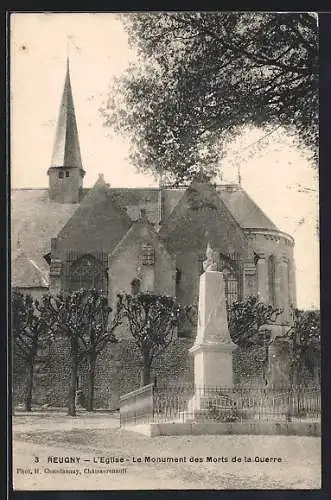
pixel 137 406
pixel 188 403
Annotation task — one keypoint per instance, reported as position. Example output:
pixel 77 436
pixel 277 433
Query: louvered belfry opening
pixel 86 271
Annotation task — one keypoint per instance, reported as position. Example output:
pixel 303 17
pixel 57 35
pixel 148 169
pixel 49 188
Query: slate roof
pixel 35 220
pixel 66 150
pixel 26 272
pixel 97 224
pixel 244 209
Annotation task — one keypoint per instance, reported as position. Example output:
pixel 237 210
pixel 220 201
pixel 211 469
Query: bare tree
pixel 152 321
pixel 82 317
pixel 28 327
pixel 97 333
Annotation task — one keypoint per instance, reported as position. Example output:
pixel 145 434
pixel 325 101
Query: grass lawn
pixel 95 437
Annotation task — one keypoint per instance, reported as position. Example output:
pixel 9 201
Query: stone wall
pixel 118 372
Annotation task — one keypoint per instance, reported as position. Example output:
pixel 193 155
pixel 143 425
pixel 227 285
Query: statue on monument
pixel 211 263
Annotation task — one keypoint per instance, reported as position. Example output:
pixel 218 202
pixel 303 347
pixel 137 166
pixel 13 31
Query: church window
pixel 230 276
pixel 231 286
pixel 271 280
pixel 148 255
pixel 67 173
pixel 88 272
pixel 61 174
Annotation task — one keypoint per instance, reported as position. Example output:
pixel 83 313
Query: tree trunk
pixel 266 365
pixel 145 374
pixel 73 382
pixel 90 382
pixel 29 385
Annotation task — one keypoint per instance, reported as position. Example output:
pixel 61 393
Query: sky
pixel 277 175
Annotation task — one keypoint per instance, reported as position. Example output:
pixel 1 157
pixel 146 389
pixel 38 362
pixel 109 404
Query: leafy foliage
pixel 305 340
pixel 248 320
pixel 152 320
pixel 201 76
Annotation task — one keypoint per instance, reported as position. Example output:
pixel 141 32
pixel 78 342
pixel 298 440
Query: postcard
pixel 165 251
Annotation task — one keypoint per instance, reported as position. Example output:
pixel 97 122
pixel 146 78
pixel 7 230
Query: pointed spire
pixel 66 151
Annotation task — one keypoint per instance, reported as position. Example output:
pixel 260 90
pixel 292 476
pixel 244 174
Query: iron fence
pixel 137 406
pixel 252 404
pixel 215 404
pixel 170 403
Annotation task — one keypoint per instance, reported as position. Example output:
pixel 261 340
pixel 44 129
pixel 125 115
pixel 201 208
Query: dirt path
pixel 92 437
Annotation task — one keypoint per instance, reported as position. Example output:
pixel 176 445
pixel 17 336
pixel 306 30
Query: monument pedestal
pixel 213 364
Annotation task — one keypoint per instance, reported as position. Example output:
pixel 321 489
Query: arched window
pixel 271 280
pixel 230 275
pixel 88 272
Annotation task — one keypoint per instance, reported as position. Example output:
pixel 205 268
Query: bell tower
pixel 66 171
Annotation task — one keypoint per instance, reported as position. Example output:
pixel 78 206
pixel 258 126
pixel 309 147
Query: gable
pixel 139 234
pixel 141 254
pixel 96 226
pixel 201 216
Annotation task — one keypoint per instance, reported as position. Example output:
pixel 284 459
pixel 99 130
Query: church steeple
pixel 66 171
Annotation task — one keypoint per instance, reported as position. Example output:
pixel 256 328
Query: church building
pixel 119 239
